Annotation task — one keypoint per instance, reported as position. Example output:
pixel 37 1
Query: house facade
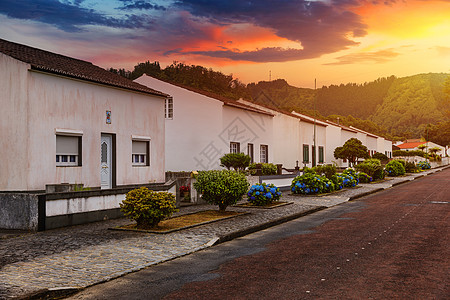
pixel 201 127
pixel 65 120
pixel 417 145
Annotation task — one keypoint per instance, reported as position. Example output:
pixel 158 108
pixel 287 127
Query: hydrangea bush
pixel 423 165
pixel 364 178
pixel 350 178
pixel 311 183
pixel 263 194
pixel 395 168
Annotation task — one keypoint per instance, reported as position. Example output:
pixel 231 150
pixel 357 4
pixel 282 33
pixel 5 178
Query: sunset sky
pixel 335 41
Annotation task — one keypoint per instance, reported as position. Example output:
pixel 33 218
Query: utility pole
pixel 314 142
pixel 270 75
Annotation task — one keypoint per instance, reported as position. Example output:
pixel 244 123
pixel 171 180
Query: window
pixel 264 153
pixel 235 147
pixel 305 153
pixel 321 158
pixel 250 152
pixel 140 153
pixel 68 151
pixel 168 108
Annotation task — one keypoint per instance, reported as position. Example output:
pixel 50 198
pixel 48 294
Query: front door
pixel 106 161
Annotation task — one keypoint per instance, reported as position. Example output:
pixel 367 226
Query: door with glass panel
pixel 106 161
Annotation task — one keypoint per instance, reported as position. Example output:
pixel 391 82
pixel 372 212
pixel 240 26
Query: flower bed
pixel 311 183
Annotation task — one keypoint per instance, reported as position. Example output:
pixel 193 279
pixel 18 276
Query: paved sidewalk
pixel 76 257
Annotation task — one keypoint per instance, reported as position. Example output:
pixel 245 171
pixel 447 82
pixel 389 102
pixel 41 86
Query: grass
pixel 185 221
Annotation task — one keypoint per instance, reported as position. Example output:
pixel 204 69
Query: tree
pixel 351 150
pixel 237 161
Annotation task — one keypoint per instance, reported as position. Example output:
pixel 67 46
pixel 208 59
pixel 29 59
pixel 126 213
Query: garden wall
pixel 52 210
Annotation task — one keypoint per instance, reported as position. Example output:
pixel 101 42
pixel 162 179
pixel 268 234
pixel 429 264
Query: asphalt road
pixel 390 245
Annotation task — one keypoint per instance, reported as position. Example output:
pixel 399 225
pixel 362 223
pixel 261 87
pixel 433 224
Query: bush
pixel 408 153
pixel 371 167
pixel 221 188
pixel 147 207
pixel 380 156
pixel 395 168
pixel 262 194
pixel 311 183
pixel 423 165
pixel 410 167
pixel 364 178
pixel 266 169
pixel 338 182
pixel 237 161
pixel 327 170
pixel 350 178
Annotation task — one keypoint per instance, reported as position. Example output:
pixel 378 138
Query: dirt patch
pixel 184 221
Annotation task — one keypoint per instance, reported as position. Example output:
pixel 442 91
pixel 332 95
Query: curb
pixel 365 194
pixel 253 229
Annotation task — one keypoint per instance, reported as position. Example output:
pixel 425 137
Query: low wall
pixel 53 210
pixel 19 211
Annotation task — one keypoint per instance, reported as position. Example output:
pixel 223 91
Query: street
pixel 392 244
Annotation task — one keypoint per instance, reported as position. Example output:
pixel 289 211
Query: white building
pixel 201 127
pixel 63 120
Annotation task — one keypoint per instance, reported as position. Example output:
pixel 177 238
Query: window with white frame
pixel 68 151
pixel 264 153
pixel 140 153
pixel 305 153
pixel 235 147
pixel 168 108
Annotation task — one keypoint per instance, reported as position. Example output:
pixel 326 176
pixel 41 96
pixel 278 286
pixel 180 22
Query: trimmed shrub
pixel 266 169
pixel 380 156
pixel 411 167
pixel 147 207
pixel 424 165
pixel 408 153
pixel 371 167
pixel 237 161
pixel 262 194
pixel 395 168
pixel 221 188
pixel 327 170
pixel 311 183
pixel 364 178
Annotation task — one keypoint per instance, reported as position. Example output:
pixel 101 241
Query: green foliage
pixel 351 150
pixel 364 178
pixel 423 165
pixel 350 178
pixel 311 183
pixel 221 188
pixel 266 168
pixel 396 153
pixel 237 161
pixel 440 133
pixel 371 167
pixel 411 167
pixel 395 168
pixel 327 170
pixel 380 156
pixel 263 194
pixel 269 169
pixel 147 207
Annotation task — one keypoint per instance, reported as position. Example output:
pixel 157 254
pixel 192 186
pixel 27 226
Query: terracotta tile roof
pixel 410 145
pixel 225 100
pixel 49 62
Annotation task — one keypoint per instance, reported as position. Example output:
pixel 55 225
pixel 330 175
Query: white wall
pixel 243 126
pixel 192 136
pixel 307 138
pixel 43 103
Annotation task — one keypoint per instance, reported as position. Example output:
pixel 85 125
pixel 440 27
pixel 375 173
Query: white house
pixel 412 145
pixel 202 126
pixel 63 120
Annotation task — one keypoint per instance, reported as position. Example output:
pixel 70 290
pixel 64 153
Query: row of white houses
pixel 64 120
pixel 201 127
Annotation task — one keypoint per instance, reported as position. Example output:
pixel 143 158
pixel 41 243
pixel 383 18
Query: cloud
pixel 321 28
pixel 66 16
pixel 381 56
pixel 141 5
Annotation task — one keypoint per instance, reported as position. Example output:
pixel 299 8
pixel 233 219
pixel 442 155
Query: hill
pixel 396 108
